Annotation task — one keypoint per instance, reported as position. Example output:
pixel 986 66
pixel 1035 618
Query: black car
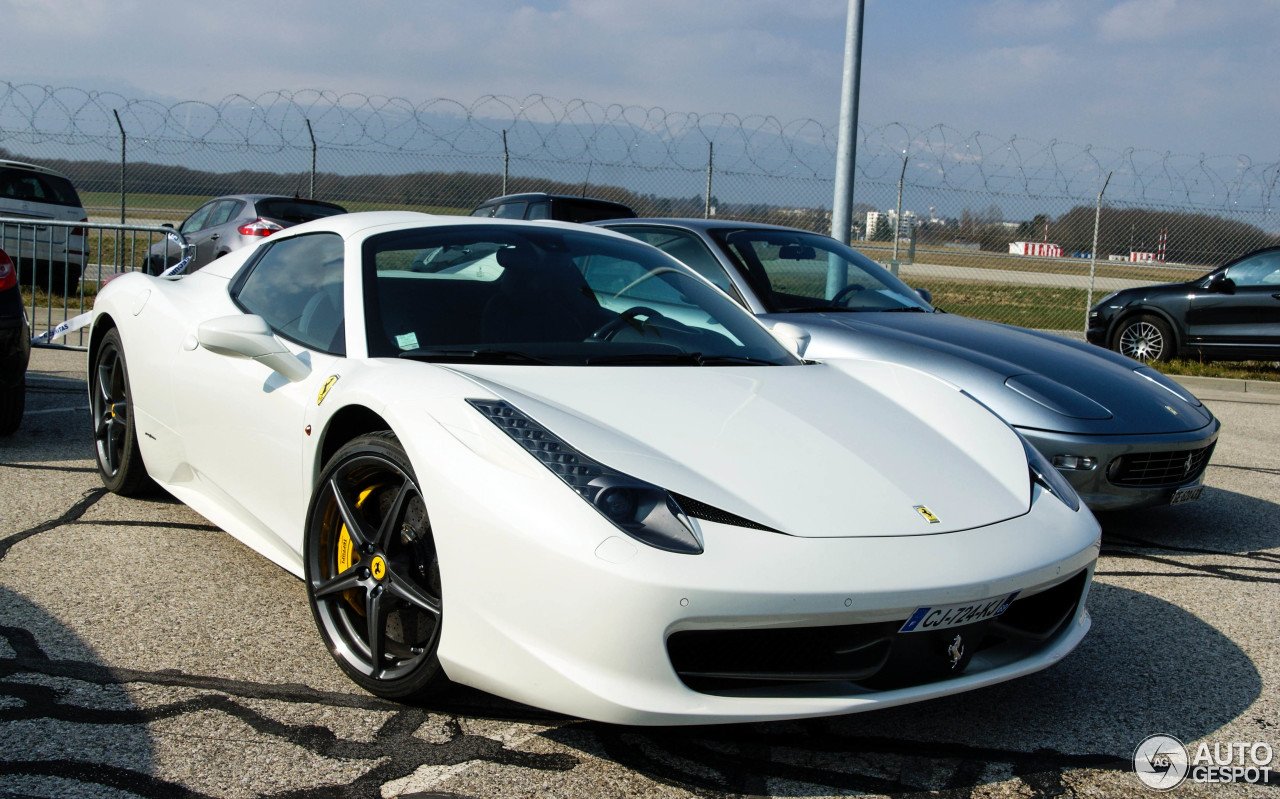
pixel 1230 314
pixel 15 348
pixel 538 205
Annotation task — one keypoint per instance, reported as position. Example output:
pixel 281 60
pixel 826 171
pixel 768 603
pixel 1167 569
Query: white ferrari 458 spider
pixel 493 463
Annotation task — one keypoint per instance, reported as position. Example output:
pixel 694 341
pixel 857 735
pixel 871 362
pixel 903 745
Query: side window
pixel 223 212
pixel 1261 270
pixel 539 211
pixel 686 248
pixel 509 211
pixel 197 220
pixel 621 279
pixel 296 286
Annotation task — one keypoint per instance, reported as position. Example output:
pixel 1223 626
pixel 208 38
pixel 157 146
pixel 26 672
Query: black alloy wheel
pixel 115 435
pixel 372 574
pixel 1146 338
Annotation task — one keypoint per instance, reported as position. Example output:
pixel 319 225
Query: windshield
pixel 529 295
pixel 793 272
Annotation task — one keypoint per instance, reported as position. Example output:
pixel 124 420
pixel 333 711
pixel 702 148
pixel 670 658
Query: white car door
pixel 244 425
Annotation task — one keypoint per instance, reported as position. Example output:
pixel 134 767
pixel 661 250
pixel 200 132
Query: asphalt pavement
pixel 143 652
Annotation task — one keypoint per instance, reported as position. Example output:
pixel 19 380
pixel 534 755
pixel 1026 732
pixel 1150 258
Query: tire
pixel 13 398
pixel 115 434
pixel 1145 338
pixel 375 595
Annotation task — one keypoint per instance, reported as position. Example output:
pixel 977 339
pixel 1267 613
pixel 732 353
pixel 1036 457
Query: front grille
pixel 1146 469
pixel 864 657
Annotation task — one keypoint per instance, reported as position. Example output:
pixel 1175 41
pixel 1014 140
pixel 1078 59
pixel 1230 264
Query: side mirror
pixel 793 337
pixel 250 337
pixel 925 295
pixel 1222 284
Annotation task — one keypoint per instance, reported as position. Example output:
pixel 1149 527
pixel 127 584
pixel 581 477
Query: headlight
pixel 642 510
pixel 1098 305
pixel 1051 479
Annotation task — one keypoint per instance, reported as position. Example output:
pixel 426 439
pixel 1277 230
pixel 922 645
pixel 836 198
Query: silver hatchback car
pixel 1123 434
pixel 225 224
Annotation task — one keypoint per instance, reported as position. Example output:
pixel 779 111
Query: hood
pixel 1032 379
pixel 812 451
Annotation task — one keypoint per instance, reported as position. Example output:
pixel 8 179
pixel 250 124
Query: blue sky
pixel 1187 76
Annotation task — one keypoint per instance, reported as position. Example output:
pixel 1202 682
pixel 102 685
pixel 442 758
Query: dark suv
pixel 1232 313
pixel 539 205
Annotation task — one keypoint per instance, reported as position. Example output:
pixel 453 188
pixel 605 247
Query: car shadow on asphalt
pixel 59 707
pixel 1147 667
pixel 1222 522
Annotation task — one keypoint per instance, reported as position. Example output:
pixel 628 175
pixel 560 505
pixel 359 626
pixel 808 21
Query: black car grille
pixel 1146 469
pixel 865 657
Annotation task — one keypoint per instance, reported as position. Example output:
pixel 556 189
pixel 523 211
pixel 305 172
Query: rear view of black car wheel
pixel 1145 338
pixel 115 435
pixel 372 573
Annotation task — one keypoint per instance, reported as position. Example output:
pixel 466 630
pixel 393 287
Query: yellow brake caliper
pixel 347 554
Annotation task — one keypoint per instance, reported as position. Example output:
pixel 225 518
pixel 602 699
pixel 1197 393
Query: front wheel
pixel 1145 338
pixel 372 574
pixel 115 434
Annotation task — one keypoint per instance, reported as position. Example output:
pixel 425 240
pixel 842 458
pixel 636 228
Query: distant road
pixel 917 272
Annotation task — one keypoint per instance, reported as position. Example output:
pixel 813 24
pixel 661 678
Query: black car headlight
pixel 642 510
pixel 1049 478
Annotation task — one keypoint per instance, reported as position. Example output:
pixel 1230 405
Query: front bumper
pixel 1098 486
pixel 1096 333
pixel 590 633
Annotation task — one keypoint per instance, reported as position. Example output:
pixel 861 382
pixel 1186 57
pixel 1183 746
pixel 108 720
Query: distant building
pixel 905 225
pixel 873 219
pixel 1041 248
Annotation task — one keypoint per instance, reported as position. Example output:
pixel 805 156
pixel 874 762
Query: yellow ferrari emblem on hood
pixel 324 390
pixel 927 514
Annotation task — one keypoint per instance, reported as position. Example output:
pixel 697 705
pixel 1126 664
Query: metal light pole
pixel 846 144
pixel 1093 256
pixel 897 219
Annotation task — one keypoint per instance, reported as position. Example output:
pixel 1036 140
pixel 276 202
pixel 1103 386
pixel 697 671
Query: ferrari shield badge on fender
pixel 921 509
pixel 324 390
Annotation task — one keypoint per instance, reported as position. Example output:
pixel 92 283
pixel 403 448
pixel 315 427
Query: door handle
pixel 215 237
pixel 1276 295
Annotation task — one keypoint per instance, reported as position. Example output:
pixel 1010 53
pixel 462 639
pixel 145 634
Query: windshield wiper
pixel 904 309
pixel 820 309
pixel 475 356
pixel 673 358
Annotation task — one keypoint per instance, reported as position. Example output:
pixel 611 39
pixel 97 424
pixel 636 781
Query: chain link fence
pixel 996 227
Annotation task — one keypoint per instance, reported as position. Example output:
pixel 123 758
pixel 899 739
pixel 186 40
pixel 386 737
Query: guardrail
pixel 61 265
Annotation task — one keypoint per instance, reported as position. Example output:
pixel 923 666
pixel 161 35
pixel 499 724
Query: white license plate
pixel 941 617
pixel 1186 494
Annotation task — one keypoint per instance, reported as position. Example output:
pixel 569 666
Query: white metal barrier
pixel 61 266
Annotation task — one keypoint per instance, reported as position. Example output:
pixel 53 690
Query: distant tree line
pixel 1193 238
